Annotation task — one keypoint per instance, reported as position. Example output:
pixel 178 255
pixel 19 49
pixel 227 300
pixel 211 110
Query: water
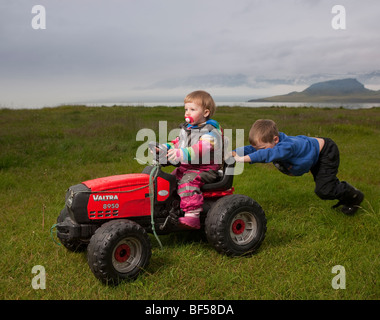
pixel 244 104
pixel 218 103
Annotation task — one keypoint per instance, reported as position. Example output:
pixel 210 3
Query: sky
pixel 159 50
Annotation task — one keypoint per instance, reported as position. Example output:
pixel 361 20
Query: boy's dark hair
pixel 263 130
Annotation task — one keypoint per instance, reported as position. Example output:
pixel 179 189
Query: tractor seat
pixel 226 180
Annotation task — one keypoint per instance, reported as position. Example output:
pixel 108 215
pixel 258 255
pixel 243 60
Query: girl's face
pixel 195 113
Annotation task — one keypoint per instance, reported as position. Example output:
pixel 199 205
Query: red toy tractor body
pixel 112 217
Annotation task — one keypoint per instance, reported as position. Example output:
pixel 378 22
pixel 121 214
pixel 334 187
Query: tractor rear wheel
pixel 236 225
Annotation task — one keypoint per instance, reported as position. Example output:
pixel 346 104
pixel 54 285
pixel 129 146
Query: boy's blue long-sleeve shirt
pixel 296 153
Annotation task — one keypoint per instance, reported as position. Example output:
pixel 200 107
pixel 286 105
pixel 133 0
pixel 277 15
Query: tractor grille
pixel 104 214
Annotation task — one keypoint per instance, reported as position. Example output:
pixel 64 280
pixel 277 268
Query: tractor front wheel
pixel 118 251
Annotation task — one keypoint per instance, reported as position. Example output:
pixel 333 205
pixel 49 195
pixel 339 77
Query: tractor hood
pixel 118 181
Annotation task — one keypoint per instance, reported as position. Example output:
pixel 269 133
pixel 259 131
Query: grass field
pixel 45 151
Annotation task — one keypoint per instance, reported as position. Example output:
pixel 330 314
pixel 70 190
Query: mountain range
pixel 348 90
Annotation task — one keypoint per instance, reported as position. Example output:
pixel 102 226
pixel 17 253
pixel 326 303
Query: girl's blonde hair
pixel 263 130
pixel 203 99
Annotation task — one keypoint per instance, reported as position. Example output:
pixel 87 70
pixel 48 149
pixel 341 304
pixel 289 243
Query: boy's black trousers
pixel 327 185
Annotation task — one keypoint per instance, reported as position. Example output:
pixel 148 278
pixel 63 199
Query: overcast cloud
pixel 145 50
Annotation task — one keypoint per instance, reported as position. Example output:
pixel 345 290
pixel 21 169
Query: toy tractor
pixel 112 217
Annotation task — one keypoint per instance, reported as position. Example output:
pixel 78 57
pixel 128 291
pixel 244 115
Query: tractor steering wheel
pixel 160 155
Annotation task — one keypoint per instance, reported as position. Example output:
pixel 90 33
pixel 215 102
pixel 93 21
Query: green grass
pixel 45 151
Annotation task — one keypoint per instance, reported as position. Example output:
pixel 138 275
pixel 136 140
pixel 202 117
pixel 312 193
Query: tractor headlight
pixel 69 198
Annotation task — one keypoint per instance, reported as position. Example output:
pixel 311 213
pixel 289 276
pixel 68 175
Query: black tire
pixel 74 245
pixel 118 251
pixel 236 225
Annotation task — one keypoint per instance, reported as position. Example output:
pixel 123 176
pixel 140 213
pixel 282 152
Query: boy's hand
pixel 229 155
pixel 242 159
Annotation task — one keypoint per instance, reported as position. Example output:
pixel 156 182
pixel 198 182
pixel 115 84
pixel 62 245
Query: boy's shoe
pixel 190 223
pixel 350 201
pixel 353 206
